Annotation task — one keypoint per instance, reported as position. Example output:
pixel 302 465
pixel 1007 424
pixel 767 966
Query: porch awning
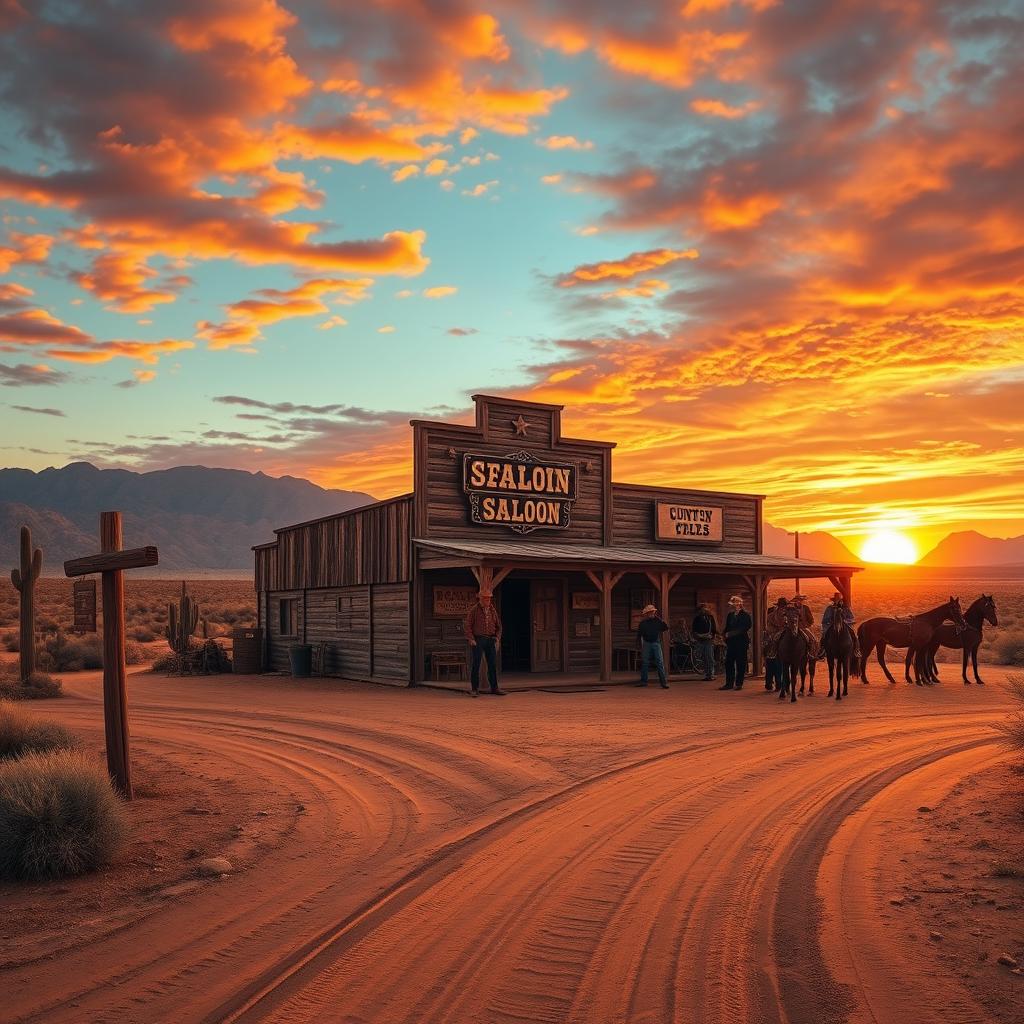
pixel 469 552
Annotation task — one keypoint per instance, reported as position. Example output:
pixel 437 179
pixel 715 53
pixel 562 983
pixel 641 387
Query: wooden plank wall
pixel 633 518
pixel 346 630
pixel 366 629
pixel 391 631
pixel 584 652
pixel 277 646
pixel 370 545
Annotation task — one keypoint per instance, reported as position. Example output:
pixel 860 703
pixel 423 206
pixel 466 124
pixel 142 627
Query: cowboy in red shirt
pixel 482 627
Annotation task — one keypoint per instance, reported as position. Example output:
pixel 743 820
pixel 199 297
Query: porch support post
pixel 606 625
pixel 757 600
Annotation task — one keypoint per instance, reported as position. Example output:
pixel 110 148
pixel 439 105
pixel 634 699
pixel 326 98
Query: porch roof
pixel 471 551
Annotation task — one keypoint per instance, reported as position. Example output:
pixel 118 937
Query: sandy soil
pixel 611 857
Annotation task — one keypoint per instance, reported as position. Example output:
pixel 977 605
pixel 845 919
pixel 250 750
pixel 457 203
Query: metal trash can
pixel 246 651
pixel 300 656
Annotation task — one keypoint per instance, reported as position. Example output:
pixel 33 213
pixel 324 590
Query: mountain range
pixel 199 518
pixel 202 518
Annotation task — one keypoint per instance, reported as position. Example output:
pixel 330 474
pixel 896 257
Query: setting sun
pixel 889 546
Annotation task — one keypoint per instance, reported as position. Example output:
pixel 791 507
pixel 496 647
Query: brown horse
pixel 794 656
pixel 915 633
pixel 969 640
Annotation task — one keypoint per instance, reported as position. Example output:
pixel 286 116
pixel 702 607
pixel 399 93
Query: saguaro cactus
pixel 24 580
pixel 182 619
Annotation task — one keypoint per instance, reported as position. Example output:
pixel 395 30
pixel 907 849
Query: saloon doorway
pixel 531 625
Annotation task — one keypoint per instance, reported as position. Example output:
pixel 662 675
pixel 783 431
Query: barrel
pixel 301 658
pixel 247 650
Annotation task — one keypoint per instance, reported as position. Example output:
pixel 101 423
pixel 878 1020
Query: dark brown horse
pixel 837 643
pixel 915 633
pixel 968 640
pixel 794 655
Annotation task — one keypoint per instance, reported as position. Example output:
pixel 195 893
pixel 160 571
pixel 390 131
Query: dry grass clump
pixel 38 686
pixel 58 816
pixel 1009 648
pixel 22 734
pixel 1013 728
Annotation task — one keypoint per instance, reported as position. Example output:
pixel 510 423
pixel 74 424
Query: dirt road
pixel 624 856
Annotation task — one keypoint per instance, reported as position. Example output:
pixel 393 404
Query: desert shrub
pixel 143 634
pixel 10 642
pixel 58 816
pixel 1009 648
pixel 22 733
pixel 1013 728
pixel 63 653
pixel 38 686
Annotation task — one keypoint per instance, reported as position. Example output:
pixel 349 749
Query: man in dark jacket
pixel 649 633
pixel 737 643
pixel 704 631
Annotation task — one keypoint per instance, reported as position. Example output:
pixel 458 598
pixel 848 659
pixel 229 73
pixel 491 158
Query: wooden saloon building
pixel 571 554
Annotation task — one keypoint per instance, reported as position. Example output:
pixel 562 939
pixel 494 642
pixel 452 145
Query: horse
pixel 793 654
pixel 969 639
pixel 837 642
pixel 915 632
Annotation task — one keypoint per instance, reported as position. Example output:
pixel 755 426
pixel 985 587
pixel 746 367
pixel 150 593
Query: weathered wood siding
pixel 341 618
pixel 442 508
pixel 366 630
pixel 277 645
pixel 391 632
pixel 633 517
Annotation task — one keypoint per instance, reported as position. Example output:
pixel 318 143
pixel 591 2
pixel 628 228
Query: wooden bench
pixel 446 666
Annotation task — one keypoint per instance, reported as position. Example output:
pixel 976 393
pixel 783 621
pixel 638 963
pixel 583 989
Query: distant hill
pixel 972 548
pixel 199 518
pixel 817 545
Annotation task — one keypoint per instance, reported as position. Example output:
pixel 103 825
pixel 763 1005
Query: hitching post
pixel 111 563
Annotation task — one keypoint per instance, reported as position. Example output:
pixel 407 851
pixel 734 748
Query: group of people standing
pixel 704 629
pixel 482 628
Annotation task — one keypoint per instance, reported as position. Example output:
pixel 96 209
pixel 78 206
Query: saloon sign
pixel 702 523
pixel 518 491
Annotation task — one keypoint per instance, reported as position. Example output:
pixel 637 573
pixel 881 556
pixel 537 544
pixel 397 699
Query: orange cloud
pixel 24 249
pixel 564 142
pixel 120 278
pixel 246 317
pixel 635 263
pixel 719 108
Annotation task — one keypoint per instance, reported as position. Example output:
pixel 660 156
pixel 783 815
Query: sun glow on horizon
pixel 889 546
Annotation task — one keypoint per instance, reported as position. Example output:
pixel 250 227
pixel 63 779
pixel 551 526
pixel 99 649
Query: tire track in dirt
pixel 542 930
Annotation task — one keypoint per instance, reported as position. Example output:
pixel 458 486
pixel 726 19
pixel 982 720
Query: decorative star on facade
pixel 521 425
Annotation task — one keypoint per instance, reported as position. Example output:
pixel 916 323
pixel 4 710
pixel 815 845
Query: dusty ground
pixel 414 856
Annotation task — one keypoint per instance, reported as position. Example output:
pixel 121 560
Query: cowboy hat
pixel 485 592
pixel 735 599
pixel 648 608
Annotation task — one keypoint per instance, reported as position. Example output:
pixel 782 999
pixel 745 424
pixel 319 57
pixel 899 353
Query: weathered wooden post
pixel 24 580
pixel 111 563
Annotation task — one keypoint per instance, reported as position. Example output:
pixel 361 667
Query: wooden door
pixel 546 623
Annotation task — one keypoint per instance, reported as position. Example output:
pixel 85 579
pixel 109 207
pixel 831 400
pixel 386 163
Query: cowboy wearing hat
pixel 649 633
pixel 839 607
pixel 737 642
pixel 704 630
pixel 776 623
pixel 805 619
pixel 482 628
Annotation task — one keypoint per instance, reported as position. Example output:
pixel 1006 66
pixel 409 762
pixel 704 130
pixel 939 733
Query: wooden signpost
pixel 84 592
pixel 111 563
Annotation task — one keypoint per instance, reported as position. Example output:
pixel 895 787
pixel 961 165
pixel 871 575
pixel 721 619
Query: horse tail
pixel 857 667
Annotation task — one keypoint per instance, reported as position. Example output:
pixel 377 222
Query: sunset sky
pixel 765 246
